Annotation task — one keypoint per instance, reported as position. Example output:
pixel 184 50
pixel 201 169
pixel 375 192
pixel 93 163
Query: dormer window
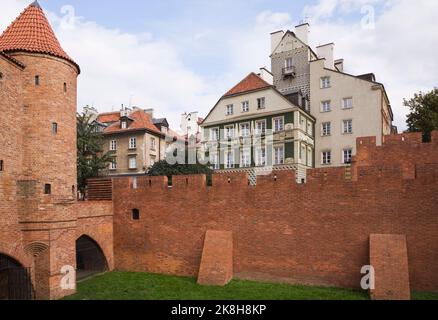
pixel 124 124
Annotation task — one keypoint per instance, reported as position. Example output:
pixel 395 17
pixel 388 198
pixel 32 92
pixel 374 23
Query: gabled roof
pixel 31 32
pixel 140 121
pixel 251 83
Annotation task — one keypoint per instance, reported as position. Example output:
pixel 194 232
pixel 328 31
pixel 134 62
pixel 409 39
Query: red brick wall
pixel 317 233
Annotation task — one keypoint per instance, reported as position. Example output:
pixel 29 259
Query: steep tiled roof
pixel 31 32
pixel 140 121
pixel 251 83
pixel 108 117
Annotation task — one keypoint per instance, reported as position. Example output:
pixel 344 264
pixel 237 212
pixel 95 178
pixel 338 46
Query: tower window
pixel 65 87
pixel 1 76
pixel 135 214
pixel 47 189
pixel 54 128
pixel 1 165
pixel 37 80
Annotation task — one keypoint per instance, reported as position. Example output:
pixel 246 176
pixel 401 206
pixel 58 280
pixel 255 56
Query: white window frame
pixel 124 124
pixel 344 154
pixel 229 110
pixel 229 164
pixel 261 156
pixel 325 82
pixel 326 131
pixel 215 136
pixel 132 143
pixel 289 62
pixel 113 145
pixel 274 125
pixel 261 103
pixel 153 144
pixel 214 161
pixel 226 132
pixel 346 105
pixel 130 163
pixel 347 126
pixel 263 130
pixel 245 106
pixel 324 105
pixel 326 157
pixel 113 164
pixel 280 160
pixel 245 158
pixel 241 131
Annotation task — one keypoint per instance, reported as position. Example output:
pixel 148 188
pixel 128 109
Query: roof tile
pixel 250 83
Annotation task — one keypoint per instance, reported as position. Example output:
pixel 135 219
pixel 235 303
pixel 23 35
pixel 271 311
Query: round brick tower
pixel 49 100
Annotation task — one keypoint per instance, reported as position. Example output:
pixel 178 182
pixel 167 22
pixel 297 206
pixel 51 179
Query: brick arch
pixel 90 257
pixel 35 249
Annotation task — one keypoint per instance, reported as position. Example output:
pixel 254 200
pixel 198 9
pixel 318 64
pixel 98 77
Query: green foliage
pixel 144 286
pixel 91 161
pixel 163 168
pixel 423 116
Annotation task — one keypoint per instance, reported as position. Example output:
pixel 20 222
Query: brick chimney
pixel 302 32
pixel 326 51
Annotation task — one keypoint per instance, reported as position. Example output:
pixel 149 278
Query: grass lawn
pixel 144 286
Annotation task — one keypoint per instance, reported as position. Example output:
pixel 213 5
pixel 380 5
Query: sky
pixel 179 56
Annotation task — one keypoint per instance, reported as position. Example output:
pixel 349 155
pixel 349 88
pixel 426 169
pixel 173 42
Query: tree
pixel 424 113
pixel 91 160
pixel 163 168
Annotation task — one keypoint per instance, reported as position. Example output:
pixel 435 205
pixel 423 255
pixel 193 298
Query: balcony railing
pixel 289 71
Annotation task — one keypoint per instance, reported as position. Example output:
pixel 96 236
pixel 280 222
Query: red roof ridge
pixel 31 32
pixel 250 83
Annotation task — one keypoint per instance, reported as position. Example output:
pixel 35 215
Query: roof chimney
pixel 302 32
pixel 266 75
pixel 326 51
pixel 276 39
pixel 150 112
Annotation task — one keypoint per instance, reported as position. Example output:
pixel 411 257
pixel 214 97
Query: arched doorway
pixel 90 259
pixel 15 282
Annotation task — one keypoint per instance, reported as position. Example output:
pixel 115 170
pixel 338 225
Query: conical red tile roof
pixel 250 83
pixel 31 32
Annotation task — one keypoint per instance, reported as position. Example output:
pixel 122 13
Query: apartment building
pixel 345 106
pixel 134 139
pixel 254 126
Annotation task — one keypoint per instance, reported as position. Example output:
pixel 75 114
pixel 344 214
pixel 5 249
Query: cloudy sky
pixel 182 55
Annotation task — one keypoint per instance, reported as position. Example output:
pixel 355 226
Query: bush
pixel 163 168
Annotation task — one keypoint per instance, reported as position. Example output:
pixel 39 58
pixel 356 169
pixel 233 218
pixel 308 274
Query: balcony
pixel 289 72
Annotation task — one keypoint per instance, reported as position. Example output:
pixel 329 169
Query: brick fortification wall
pixel 317 233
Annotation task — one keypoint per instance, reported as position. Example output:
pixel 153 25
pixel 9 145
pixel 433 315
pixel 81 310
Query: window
pixel 133 143
pixel 47 189
pixel 124 125
pixel 153 146
pixel 245 106
pixel 132 163
pixel 214 161
pixel 278 124
pixel 278 155
pixel 214 134
pixel 309 128
pixel 113 145
pixel 289 63
pixel 54 128
pixel 327 157
pixel 245 130
pixel 1 165
pixel 261 157
pixel 326 106
pixel 229 132
pixel 325 82
pixel 65 87
pixel 230 110
pixel 347 103
pixel 347 126
pixel 261 103
pixel 135 214
pixel 229 160
pixel 37 80
pixel 245 158
pixel 326 129
pixel 261 127
pixel 113 164
pixel 347 155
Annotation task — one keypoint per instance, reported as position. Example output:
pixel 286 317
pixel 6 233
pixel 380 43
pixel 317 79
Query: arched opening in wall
pixel 90 259
pixel 15 281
